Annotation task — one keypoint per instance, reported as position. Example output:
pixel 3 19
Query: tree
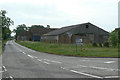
pixel 36 26
pixel 6 23
pixel 19 29
pixel 114 38
pixel 48 26
pixel 6 33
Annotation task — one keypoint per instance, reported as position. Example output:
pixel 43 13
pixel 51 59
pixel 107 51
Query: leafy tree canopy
pixel 5 22
pixel 20 28
pixel 36 26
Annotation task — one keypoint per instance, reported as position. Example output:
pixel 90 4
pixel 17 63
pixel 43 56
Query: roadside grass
pixel 2 45
pixel 63 49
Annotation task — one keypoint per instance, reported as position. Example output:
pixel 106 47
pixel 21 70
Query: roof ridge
pixel 68 28
pixel 75 25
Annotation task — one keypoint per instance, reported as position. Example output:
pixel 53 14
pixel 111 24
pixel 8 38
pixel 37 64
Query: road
pixel 21 62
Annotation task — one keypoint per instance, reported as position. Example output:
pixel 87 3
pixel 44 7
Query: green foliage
pixel 19 29
pixel 5 33
pixel 36 26
pixel 106 44
pixel 119 36
pixel 100 44
pixel 114 38
pixel 94 44
pixel 23 27
pixel 6 23
pixel 63 49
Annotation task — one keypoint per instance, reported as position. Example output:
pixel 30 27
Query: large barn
pixel 88 32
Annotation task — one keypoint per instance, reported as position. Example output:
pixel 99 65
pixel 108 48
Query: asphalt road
pixel 21 62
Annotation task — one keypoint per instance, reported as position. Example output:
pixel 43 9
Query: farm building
pixel 25 35
pixel 88 32
pixel 33 34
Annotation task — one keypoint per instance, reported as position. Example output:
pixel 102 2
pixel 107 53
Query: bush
pixel 100 44
pixel 106 44
pixel 94 44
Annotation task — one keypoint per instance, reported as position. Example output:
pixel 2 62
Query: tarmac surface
pixel 21 62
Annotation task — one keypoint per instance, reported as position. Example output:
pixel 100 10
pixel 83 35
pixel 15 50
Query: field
pixel 63 49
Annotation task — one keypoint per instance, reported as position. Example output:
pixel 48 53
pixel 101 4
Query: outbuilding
pixel 33 34
pixel 88 32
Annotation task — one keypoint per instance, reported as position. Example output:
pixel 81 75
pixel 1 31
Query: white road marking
pixel 39 60
pixel 64 68
pixel 108 69
pixel 86 74
pixel 11 77
pixel 112 77
pixel 98 61
pixel 30 56
pixel 35 57
pixel 53 61
pixel 82 66
pixel 43 61
pixel 4 68
pixel 84 60
pixel 109 62
pixel 46 62
pixel 90 75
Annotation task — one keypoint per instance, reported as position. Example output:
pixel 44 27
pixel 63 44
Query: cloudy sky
pixel 60 13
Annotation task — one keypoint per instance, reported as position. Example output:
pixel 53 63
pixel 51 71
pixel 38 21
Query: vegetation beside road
pixel 63 49
pixel 5 32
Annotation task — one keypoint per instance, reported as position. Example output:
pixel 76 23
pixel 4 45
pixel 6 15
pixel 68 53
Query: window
pixel 87 26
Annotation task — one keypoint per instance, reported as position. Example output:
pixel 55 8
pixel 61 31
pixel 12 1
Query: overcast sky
pixel 60 13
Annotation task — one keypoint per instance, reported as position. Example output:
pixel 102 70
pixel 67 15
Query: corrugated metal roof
pixel 63 29
pixel 40 31
pixel 67 28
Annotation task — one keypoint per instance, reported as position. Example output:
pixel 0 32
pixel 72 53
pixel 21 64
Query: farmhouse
pixel 88 32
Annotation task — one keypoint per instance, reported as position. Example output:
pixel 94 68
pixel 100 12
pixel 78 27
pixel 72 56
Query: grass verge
pixel 63 49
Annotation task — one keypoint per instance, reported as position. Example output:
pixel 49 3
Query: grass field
pixel 63 49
